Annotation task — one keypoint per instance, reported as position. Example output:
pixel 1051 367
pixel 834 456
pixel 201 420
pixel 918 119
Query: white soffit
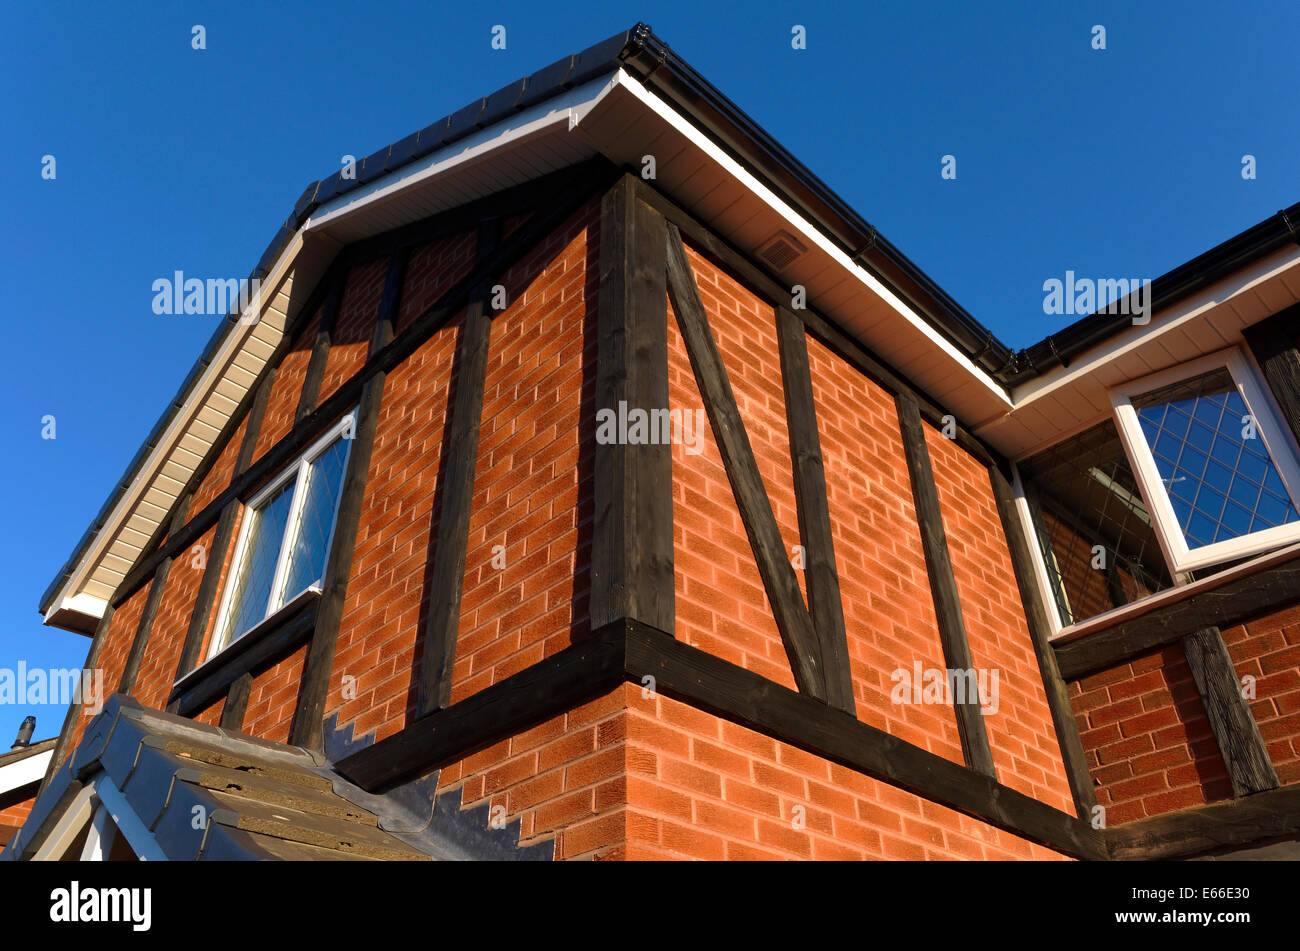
pixel 23 772
pixel 1068 399
pixel 630 121
pixel 526 146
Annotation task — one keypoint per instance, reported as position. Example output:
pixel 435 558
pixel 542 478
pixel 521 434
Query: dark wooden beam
pixel 206 595
pixel 521 241
pixel 632 535
pixel 1234 726
pixel 388 303
pixel 943 584
pixel 144 628
pixel 1206 830
pixel 779 581
pixel 447 576
pixel 320 350
pixel 1273 342
pixel 627 651
pixel 820 574
pixel 778 293
pixel 1240 599
pixel 319 665
pixel 574 675
pixel 528 196
pixel 719 687
pixel 1040 631
pixel 75 708
pixel 236 705
pixel 274 640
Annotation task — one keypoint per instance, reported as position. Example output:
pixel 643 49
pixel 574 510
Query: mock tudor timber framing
pixel 624 648
pixel 573 185
pixel 447 579
pixel 1244 754
pixel 943 586
pixel 632 532
pixel 792 618
pixel 820 575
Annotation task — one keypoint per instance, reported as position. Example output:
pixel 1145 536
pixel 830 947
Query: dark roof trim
pixel 1237 252
pixel 656 66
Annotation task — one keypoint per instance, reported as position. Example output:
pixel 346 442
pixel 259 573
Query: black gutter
pixel 1057 349
pixel 656 66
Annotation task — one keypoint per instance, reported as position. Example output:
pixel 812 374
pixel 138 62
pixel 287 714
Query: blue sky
pixel 1117 162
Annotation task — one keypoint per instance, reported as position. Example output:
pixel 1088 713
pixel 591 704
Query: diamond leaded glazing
pixel 1217 471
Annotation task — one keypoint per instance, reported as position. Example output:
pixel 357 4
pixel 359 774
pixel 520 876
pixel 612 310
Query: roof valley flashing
pixel 649 61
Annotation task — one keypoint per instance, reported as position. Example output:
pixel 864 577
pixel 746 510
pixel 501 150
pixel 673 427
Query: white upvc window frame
pixel 1269 427
pixel 297 472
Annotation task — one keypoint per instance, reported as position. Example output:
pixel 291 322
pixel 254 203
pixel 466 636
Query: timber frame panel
pixel 625 649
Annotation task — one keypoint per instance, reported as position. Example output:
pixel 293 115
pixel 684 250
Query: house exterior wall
pixel 634 775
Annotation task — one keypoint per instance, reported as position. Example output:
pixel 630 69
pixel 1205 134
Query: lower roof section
pixel 154 773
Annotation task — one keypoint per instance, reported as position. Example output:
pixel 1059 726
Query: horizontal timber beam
pixel 626 651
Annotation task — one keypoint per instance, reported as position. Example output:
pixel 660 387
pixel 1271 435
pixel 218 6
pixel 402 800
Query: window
pixel 1098 546
pixel 1194 472
pixel 1221 469
pixel 285 538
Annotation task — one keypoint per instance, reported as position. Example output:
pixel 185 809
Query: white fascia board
pixel 801 225
pixel 1184 312
pixel 565 110
pixel 82 603
pixel 207 383
pixel 30 769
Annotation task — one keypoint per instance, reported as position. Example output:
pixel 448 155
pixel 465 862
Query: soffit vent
pixel 781 250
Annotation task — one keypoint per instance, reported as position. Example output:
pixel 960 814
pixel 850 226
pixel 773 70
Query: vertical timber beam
pixel 943 586
pixel 307 729
pixel 820 575
pixel 1040 631
pixel 1244 754
pixel 1273 342
pixel 207 592
pixel 144 629
pixel 236 705
pixel 779 581
pixel 448 573
pixel 320 350
pixel 632 535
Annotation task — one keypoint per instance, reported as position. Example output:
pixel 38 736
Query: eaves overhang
pixel 519 132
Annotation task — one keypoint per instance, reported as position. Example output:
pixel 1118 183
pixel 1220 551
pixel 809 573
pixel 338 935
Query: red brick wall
pixel 526 494
pixel 565 779
pixel 1147 739
pixel 721 604
pixel 14 816
pixel 372 682
pixel 1268 649
pixel 431 271
pixel 157 673
pixel 888 611
pixel 532 485
pixel 1026 753
pixel 702 787
pixel 634 776
pixel 112 657
pixel 286 389
pixel 223 470
pixel 358 312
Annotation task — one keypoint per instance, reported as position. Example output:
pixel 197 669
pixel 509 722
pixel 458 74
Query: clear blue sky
pixel 1122 162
